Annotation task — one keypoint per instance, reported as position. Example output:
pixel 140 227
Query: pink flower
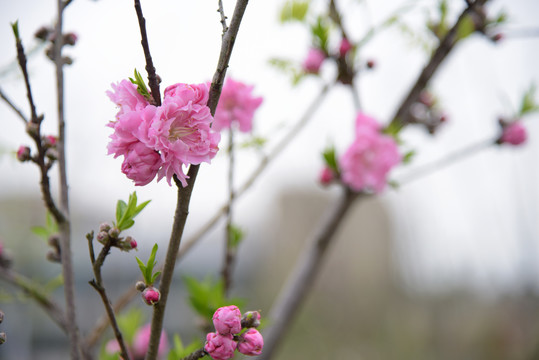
pixel 181 131
pixel 141 163
pixel 326 176
pixel 141 342
pixel 366 163
pixel 315 58
pixel 514 134
pixel 236 104
pixel 227 320
pixel 344 47
pixel 23 153
pixel 251 343
pixel 220 347
pixel 126 96
pixel 151 295
pixel 131 127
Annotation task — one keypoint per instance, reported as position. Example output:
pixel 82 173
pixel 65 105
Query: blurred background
pixel 443 267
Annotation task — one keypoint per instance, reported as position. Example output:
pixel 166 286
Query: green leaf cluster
pixel 528 104
pixel 330 158
pixel 141 86
pixel 207 296
pixel 15 28
pixel 294 10
pixel 147 269
pixel 289 67
pixel 320 31
pixel 408 157
pixel 256 142
pixel 50 228
pixel 236 236
pixel 125 213
pixel 179 351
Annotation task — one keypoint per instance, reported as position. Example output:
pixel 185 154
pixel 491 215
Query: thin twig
pixel 198 354
pixel 21 57
pixel 184 193
pixel 188 244
pixel 402 116
pixel 13 106
pixel 65 225
pixel 97 284
pixel 53 310
pixel 150 69
pixel 302 277
pixel 223 17
pixel 230 251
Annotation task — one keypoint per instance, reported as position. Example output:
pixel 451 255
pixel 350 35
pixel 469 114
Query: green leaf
pixel 466 28
pixel 54 283
pixel 126 212
pixel 294 11
pixel 528 104
pixel 142 268
pixel 50 228
pixel 179 351
pixel 154 276
pixel 254 142
pixel 15 28
pixel 320 32
pixel 141 85
pixel 140 207
pixel 407 158
pixel 41 232
pixel 236 236
pixel 330 158
pixel 120 210
pixel 147 269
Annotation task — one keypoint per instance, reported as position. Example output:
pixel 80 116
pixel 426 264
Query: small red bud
pixel 371 64
pixel 151 295
pixel 23 153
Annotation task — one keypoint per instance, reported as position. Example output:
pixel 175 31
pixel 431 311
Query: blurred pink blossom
pixel 220 347
pixel 514 133
pixel 141 342
pixel 236 104
pixel 313 61
pixel 326 176
pixel 344 47
pixel 251 342
pixel 227 320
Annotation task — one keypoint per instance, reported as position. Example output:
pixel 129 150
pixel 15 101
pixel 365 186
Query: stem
pixel 131 293
pixel 198 354
pixel 223 17
pixel 229 249
pixel 97 284
pixel 13 107
pixel 446 161
pixel 21 57
pixel 302 277
pixel 65 225
pixel 184 193
pixel 53 310
pixel 150 69
pixel 402 116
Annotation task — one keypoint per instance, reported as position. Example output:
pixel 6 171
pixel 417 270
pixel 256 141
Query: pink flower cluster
pixel 513 133
pixel 162 140
pixel 366 163
pixel 236 104
pixel 141 341
pixel 221 344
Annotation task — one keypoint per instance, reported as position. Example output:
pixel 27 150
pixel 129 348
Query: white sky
pixel 471 219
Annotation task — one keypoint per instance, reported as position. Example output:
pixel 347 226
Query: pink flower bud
pixel 50 141
pixel 227 320
pixel 133 243
pixel 250 319
pixel 514 134
pixel 114 233
pixel 23 153
pixel 220 347
pixel 251 342
pixel 70 38
pixel 141 342
pixel 345 47
pixel 313 61
pixel 151 295
pixel 326 176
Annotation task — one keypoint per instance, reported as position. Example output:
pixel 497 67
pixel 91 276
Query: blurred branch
pixel 31 288
pixel 13 106
pixel 402 116
pixel 184 193
pixel 198 354
pixel 230 251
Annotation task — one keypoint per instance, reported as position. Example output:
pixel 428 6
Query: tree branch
pixel 13 106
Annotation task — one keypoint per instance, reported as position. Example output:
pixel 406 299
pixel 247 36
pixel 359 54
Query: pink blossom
pixel 313 61
pixel 344 47
pixel 326 176
pixel 236 104
pixel 126 96
pixel 251 343
pixel 141 342
pixel 131 127
pixel 227 320
pixel 23 153
pixel 514 133
pixel 141 163
pixel 366 163
pixel 151 295
pixel 181 131
pixel 112 347
pixel 220 347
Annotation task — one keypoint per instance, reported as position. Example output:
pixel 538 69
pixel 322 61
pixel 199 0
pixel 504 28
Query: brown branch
pixel 223 17
pixel 97 284
pixel 184 193
pixel 21 57
pixel 13 106
pixel 402 116
pixel 150 69
pixel 198 354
